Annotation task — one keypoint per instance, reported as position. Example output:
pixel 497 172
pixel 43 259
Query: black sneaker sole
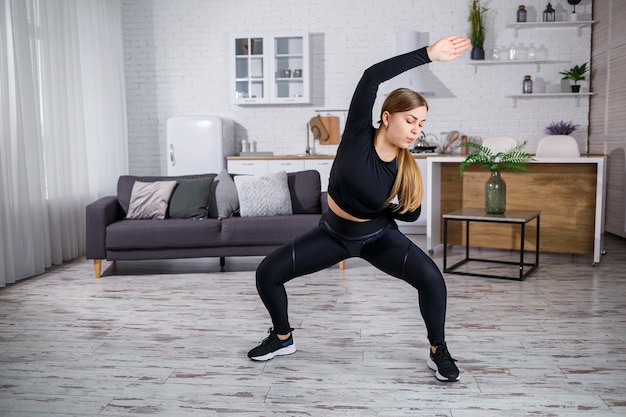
pixel 287 350
pixel 432 365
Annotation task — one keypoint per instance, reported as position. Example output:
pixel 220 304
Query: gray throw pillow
pixel 190 199
pixel 224 201
pixel 263 195
pixel 149 200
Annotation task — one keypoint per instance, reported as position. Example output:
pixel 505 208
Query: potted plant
pixel 561 128
pixel 573 16
pixel 513 159
pixel 477 29
pixel 576 74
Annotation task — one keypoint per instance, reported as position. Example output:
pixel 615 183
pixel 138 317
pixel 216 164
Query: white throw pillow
pixel 149 200
pixel 263 195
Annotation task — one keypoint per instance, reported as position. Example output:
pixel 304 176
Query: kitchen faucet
pixel 308 148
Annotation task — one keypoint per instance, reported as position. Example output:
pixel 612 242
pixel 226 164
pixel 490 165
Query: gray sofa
pixel 110 236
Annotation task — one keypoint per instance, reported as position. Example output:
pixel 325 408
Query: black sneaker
pixel 443 364
pixel 272 346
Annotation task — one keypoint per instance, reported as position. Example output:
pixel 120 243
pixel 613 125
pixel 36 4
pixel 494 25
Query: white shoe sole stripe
pixel 288 350
pixel 432 365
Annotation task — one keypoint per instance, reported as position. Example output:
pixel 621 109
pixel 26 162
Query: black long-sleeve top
pixel 360 182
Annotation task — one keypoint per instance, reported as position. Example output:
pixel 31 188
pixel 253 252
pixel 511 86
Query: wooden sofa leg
pixel 342 264
pixel 222 263
pixel 97 267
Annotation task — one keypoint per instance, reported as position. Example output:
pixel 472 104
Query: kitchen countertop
pixel 415 155
pixel 303 156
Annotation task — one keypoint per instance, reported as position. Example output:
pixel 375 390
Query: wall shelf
pixel 578 96
pixel 538 62
pixel 579 25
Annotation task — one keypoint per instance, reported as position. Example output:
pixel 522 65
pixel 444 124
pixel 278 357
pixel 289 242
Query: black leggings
pixel 377 241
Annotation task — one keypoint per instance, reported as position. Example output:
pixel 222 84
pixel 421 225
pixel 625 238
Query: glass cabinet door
pixel 250 85
pixel 289 65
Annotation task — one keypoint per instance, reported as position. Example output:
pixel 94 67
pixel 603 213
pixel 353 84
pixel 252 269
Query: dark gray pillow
pixel 190 199
pixel 224 201
pixel 149 200
pixel 305 189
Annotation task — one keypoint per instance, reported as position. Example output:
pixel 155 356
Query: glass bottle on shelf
pixel 527 85
pixel 542 52
pixel 521 52
pixel 532 52
pixel 495 53
pixel 521 13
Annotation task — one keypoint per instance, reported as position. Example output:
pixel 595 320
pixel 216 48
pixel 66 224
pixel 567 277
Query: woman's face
pixel 403 128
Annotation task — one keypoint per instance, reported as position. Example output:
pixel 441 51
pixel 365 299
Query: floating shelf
pixel 579 25
pixel 538 62
pixel 578 96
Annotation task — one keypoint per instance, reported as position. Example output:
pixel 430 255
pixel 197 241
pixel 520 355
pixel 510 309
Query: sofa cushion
pixel 273 230
pixel 263 195
pixel 305 189
pixel 224 201
pixel 190 199
pixel 166 234
pixel 125 186
pixel 149 200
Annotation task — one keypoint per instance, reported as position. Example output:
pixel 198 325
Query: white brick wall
pixel 177 63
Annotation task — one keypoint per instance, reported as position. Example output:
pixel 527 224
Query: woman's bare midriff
pixel 341 213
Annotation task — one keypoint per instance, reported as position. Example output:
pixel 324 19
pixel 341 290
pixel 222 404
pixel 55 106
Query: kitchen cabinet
pixel 248 167
pixel 323 165
pixel 271 68
pixel 257 166
pixel 289 165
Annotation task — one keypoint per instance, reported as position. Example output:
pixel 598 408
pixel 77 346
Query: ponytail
pixel 408 184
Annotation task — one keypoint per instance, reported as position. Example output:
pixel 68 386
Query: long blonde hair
pixel 408 183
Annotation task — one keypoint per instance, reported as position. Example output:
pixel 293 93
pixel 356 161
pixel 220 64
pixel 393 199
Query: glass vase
pixel 495 194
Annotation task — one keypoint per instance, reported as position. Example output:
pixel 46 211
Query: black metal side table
pixel 468 215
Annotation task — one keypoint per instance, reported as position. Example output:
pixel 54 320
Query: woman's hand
pixel 447 49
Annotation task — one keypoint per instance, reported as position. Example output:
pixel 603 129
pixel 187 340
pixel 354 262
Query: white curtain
pixel 63 126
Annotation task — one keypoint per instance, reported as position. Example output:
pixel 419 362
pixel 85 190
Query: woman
pixel 372 167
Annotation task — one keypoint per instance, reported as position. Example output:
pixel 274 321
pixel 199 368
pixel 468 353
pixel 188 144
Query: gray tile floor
pixel 169 338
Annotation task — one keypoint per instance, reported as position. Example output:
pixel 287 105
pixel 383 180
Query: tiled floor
pixel 169 338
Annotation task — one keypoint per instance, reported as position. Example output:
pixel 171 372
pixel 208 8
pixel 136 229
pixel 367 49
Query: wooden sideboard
pixel 570 192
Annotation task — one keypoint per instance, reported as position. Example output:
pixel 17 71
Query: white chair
pixel 500 143
pixel 558 146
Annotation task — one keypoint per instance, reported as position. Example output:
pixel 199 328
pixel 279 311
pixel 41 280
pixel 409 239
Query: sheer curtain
pixel 63 126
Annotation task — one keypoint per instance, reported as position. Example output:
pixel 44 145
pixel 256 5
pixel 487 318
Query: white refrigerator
pixel 198 144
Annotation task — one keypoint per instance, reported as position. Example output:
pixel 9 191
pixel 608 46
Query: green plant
pixel 576 73
pixel 477 23
pixel 513 159
pixel 574 3
pixel 561 128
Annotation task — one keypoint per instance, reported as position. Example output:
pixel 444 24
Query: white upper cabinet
pixel 270 68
